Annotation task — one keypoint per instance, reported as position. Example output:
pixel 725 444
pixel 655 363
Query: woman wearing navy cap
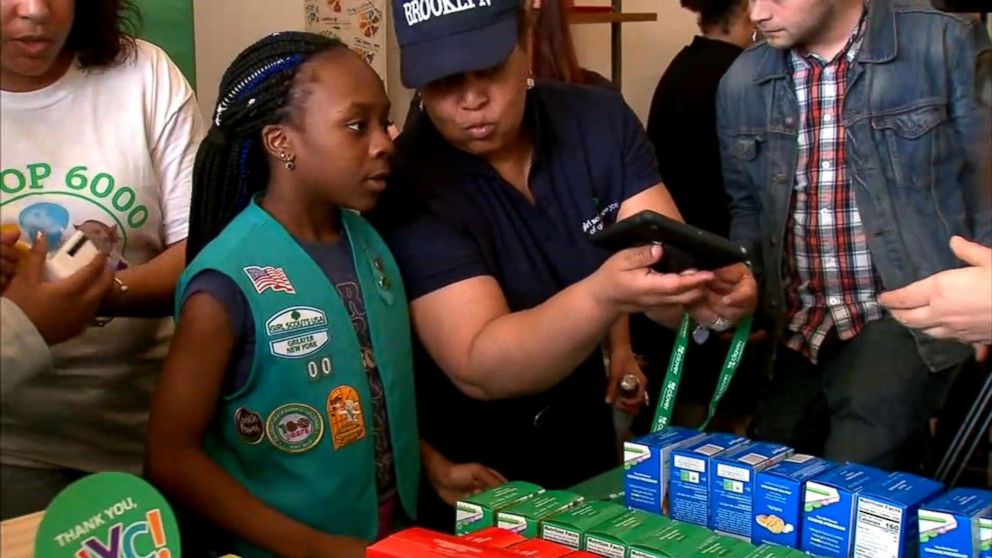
pixel 493 199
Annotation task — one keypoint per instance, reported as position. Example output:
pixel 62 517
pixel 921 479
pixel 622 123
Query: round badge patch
pixel 249 425
pixel 294 427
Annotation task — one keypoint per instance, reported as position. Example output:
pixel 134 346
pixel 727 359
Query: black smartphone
pixel 686 247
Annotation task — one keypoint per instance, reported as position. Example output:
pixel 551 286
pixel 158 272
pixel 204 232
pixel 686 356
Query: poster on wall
pixel 360 24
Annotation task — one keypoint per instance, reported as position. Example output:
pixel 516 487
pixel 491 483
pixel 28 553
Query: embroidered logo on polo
pixel 597 222
pixel 294 427
pixel 344 410
pixel 307 330
pixel 249 425
pixel 269 278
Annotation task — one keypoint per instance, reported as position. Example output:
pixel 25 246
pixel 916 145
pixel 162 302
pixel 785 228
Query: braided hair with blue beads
pixel 231 164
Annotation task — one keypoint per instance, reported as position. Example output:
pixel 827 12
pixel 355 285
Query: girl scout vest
pixel 298 435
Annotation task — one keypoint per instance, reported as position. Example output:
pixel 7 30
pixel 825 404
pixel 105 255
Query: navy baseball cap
pixel 440 38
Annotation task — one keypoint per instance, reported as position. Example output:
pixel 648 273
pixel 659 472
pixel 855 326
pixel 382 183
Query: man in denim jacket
pixel 856 140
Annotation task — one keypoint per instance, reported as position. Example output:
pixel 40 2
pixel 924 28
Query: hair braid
pixel 230 164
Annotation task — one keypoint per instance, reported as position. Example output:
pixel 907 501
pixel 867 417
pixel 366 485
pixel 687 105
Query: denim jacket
pixel 918 119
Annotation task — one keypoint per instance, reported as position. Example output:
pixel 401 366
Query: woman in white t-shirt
pixel 99 133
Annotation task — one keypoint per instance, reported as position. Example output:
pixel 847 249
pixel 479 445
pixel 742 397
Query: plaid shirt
pixel 830 282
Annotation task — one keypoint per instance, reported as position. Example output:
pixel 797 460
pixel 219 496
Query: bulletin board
pixel 169 24
pixel 360 24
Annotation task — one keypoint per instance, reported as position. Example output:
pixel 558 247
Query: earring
pixel 530 82
pixel 289 161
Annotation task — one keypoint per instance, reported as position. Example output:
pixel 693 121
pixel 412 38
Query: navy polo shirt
pixel 448 216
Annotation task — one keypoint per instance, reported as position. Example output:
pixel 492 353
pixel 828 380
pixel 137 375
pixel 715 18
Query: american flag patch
pixel 268 277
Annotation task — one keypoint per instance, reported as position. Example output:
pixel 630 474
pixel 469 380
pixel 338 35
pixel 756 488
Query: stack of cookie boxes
pixel 688 494
pixel 767 495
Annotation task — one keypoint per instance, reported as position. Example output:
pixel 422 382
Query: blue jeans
pixel 868 400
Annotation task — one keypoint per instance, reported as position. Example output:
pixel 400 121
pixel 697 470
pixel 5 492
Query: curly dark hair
pixel 714 13
pixel 103 31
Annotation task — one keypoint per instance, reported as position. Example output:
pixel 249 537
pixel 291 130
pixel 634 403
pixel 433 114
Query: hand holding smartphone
pixel 685 246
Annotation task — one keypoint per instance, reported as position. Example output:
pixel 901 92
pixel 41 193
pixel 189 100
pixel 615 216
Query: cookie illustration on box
pixel 775 524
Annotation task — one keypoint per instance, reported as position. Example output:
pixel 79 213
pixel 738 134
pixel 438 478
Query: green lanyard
pixel 673 377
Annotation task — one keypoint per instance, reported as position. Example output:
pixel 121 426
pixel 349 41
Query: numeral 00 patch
pixel 319 368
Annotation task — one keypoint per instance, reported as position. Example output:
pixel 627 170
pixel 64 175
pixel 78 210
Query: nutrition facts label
pixel 689 463
pixel 561 536
pixel 606 548
pixel 878 530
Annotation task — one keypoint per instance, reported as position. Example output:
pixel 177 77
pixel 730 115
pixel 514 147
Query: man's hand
pixel 956 303
pixel 63 309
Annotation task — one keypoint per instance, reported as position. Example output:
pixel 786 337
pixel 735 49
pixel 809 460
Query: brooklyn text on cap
pixel 417 11
pixel 440 38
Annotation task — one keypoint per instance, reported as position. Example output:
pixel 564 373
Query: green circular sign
pixel 108 515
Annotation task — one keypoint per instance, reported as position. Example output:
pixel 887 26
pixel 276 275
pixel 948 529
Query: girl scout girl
pixel 285 414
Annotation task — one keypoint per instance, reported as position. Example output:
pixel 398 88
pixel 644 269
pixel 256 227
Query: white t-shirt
pixel 108 151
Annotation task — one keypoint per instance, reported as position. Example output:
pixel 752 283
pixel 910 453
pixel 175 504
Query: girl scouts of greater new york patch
pixel 344 410
pixel 294 427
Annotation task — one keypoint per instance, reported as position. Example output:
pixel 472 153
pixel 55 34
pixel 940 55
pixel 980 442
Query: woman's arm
pixel 183 406
pixel 150 286
pixel 176 127
pixel 492 353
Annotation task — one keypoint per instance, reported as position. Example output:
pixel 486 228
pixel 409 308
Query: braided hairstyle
pixel 257 90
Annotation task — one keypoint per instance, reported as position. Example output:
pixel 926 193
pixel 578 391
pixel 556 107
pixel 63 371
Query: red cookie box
pixel 540 548
pixel 582 554
pixel 421 543
pixel 487 543
pixel 494 537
